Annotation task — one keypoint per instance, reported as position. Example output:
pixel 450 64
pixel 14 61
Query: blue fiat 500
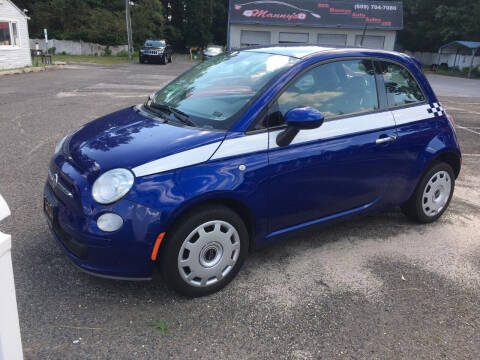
pixel 242 150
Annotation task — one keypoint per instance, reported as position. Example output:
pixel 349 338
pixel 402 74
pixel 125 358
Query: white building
pixel 14 40
pixel 371 24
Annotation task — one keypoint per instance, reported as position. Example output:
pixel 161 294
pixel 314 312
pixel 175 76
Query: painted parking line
pixel 471 155
pixel 467 129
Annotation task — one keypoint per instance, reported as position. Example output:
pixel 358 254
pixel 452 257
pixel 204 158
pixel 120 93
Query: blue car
pixel 243 150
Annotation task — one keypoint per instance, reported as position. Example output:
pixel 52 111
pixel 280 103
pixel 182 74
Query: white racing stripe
pixel 242 145
pixel 178 160
pixel 247 144
pixel 412 114
pixel 341 127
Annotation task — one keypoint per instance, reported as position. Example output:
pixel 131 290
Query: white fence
pixel 76 47
pixel 10 343
pixel 428 58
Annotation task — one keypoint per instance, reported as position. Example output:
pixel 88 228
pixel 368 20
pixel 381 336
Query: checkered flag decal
pixel 436 109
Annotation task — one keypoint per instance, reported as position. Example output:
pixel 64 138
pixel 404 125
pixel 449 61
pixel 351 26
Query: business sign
pixel 313 13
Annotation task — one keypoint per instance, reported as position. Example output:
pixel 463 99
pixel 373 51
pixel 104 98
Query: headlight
pixel 112 186
pixel 59 146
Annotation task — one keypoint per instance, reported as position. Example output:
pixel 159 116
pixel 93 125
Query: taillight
pixel 451 119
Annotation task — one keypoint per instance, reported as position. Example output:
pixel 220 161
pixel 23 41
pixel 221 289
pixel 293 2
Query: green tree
pixel 147 21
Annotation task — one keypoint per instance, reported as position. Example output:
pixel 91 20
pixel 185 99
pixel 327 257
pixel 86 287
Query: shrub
pixel 107 51
pixel 52 50
pixel 122 53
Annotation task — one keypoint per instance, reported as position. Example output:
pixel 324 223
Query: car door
pixel 417 124
pixel 340 167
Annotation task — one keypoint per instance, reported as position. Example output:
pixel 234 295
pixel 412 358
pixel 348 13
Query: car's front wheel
pixel 432 195
pixel 204 251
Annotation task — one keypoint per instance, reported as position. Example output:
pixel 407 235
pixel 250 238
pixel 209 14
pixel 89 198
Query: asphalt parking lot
pixel 379 287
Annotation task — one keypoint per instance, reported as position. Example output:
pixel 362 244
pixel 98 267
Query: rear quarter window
pixel 400 85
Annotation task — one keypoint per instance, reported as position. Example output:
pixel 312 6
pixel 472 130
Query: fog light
pixel 109 222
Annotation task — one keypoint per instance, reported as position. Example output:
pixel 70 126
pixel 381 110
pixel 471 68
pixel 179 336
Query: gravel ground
pixel 378 287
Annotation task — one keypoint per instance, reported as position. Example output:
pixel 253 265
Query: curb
pixel 31 69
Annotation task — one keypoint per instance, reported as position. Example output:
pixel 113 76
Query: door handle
pixel 386 139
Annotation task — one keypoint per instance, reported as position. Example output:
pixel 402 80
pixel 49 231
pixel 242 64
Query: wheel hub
pixel 211 254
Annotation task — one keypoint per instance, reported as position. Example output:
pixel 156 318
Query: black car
pixel 154 51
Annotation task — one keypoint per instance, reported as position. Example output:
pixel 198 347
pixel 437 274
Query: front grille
pixel 55 182
pixel 153 52
pixel 76 248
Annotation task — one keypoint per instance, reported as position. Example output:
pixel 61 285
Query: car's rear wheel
pixel 204 251
pixel 432 195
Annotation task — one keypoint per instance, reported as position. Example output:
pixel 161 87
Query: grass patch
pixel 162 326
pixel 102 60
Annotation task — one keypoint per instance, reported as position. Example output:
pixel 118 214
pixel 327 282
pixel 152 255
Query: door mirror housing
pixel 299 118
pixel 303 118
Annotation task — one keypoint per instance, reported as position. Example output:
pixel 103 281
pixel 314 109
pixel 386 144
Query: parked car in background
pixel 156 51
pixel 243 150
pixel 212 50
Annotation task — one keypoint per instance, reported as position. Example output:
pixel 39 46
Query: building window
pixel 9 33
pixel 370 41
pixel 332 39
pixel 293 38
pixel 253 38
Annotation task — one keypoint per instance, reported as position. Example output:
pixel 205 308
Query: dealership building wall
pixel 244 35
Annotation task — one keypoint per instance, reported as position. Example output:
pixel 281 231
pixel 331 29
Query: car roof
pixel 303 51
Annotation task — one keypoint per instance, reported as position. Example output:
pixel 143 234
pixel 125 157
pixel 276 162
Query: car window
pixel 401 87
pixel 336 88
pixel 214 91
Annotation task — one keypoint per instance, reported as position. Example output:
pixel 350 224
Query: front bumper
pixel 123 254
pixel 153 58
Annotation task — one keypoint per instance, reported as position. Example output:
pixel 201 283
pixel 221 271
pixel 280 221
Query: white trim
pixel 412 114
pixel 246 144
pixel 18 9
pixel 179 160
pixel 242 145
pixel 346 126
pixel 12 38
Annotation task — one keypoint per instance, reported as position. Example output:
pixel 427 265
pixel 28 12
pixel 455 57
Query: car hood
pixel 129 138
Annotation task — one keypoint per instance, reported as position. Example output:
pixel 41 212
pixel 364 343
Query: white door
pixel 253 38
pixel 293 38
pixel 370 41
pixel 332 39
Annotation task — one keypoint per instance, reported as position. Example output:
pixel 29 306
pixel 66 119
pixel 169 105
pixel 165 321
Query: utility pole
pixel 128 21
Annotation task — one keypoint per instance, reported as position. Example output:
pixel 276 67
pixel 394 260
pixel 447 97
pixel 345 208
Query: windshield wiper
pixel 180 115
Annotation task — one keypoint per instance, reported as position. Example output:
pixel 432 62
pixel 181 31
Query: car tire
pixel 141 60
pixel 432 194
pixel 204 251
pixel 163 60
pixel 170 58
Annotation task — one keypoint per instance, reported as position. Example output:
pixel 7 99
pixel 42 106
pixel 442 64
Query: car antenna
pixel 363 34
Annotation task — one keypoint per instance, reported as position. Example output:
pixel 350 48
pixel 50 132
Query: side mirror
pixel 299 118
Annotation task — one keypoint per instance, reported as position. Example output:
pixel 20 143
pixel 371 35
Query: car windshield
pixel 213 92
pixel 154 43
